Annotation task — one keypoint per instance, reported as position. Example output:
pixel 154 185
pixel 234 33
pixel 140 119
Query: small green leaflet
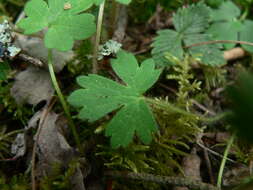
pixel 101 96
pixel 190 25
pixel 226 25
pixel 227 11
pixel 63 19
pixel 246 34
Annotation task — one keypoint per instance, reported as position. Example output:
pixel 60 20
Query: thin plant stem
pixel 98 35
pixel 224 159
pixel 167 106
pixel 218 42
pixel 62 100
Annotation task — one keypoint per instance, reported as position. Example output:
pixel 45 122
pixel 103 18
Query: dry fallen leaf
pixel 35 47
pixel 53 148
pixel 32 86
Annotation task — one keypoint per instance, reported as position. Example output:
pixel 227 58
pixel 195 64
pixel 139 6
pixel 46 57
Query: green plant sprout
pixel 65 23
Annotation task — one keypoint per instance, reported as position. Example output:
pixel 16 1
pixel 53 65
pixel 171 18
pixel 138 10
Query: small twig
pixel 203 108
pixel 177 181
pixel 30 59
pixel 43 117
pixel 213 152
pixel 97 39
pixel 209 166
pixel 143 51
pixel 167 88
pixel 218 42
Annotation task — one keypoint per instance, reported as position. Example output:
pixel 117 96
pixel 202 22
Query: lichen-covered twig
pixel 30 59
pixel 177 181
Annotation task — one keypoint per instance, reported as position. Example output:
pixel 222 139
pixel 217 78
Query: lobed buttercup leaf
pixel 101 96
pixel 64 21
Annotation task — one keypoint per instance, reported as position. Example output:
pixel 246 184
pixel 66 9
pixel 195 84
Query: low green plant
pixel 59 179
pixel 229 24
pixel 102 96
pixel 65 22
pixel 63 19
pixel 16 182
pixel 133 157
pixel 190 24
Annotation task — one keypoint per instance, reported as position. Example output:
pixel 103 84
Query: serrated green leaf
pixel 37 12
pixel 63 19
pixel 193 19
pixel 246 34
pixel 190 24
pixel 228 11
pixel 225 31
pixel 102 96
pixel 225 25
pixel 208 54
pixel 166 41
pixel 214 3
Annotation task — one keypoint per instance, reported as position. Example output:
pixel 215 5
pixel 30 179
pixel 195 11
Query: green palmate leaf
pixel 102 96
pixel 225 25
pixel 190 24
pixel 225 31
pixel 63 19
pixel 208 54
pixel 166 41
pixel 192 20
pixel 228 11
pixel 214 3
